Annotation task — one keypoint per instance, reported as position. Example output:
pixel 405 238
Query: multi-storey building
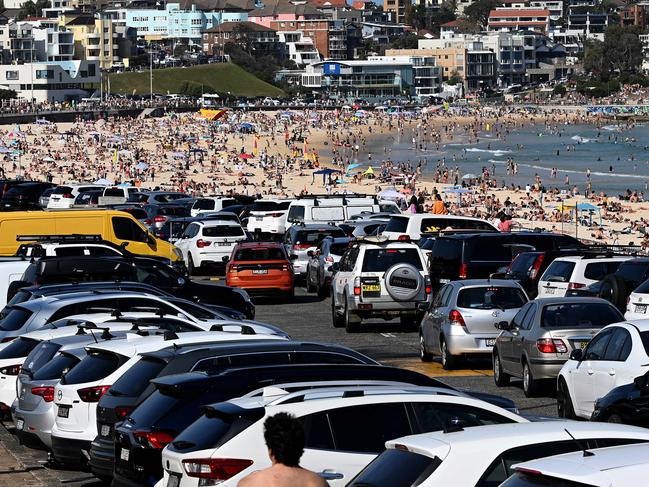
pixel 512 19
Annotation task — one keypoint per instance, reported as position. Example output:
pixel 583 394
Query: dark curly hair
pixel 284 437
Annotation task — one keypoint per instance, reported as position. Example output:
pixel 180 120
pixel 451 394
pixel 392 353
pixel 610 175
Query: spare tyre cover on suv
pixel 403 282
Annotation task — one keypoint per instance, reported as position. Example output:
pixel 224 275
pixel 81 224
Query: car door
pixel 431 321
pixel 583 377
pixel 610 372
pixel 524 344
pixel 341 277
pixel 510 362
pixel 185 240
pixel 440 314
pixel 340 442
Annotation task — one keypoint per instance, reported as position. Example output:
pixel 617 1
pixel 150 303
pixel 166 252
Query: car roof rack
pixel 244 329
pixel 74 238
pixel 607 250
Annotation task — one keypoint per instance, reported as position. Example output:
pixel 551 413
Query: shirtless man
pixel 285 441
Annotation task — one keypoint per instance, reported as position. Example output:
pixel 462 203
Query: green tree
pixel 478 11
pixel 454 79
pixel 406 41
pixel 620 52
pixel 34 9
pixel 7 94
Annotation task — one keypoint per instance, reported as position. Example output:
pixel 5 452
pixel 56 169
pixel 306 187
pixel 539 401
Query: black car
pixel 478 255
pixel 25 194
pixel 618 286
pixel 57 270
pixel 217 357
pixel 177 400
pixel 628 404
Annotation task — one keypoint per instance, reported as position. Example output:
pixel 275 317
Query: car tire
pixel 424 356
pixel 614 418
pixel 449 362
pixel 336 319
pixel 289 297
pixel 500 377
pixel 613 289
pixel 565 408
pixel 530 384
pixel 191 269
pixel 352 323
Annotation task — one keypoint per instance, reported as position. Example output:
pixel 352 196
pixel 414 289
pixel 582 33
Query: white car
pixel 207 242
pixel 63 197
pixel 77 395
pixel 415 225
pixel 616 466
pixel 11 269
pixel 211 204
pixel 379 278
pixel 268 217
pixel 483 457
pixel 345 428
pixel 337 208
pixel 636 305
pixel 615 356
pixel 575 272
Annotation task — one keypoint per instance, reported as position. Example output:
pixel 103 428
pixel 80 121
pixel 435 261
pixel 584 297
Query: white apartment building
pixel 300 49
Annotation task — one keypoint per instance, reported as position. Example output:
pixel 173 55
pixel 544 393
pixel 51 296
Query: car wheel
pixel 500 378
pixel 615 418
pixel 564 403
pixel 530 385
pixel 352 323
pixel 191 269
pixel 290 296
pixel 423 354
pixel 336 319
pixel 448 361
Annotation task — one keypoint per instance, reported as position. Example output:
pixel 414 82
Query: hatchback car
pixel 540 338
pixel 299 239
pixel 318 273
pixel 261 268
pixel 462 318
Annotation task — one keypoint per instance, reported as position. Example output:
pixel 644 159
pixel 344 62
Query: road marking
pixel 435 369
pixel 389 335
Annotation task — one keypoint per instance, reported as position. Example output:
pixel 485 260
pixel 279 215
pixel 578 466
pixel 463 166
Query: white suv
pixel 345 428
pixel 575 272
pixel 207 242
pixel 65 196
pixel 379 278
pixel 268 217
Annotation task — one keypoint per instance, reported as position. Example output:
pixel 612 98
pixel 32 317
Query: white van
pixel 414 225
pixel 11 269
pixel 211 203
pixel 335 208
pixel 116 195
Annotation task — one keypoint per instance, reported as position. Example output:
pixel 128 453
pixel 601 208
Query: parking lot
pixel 307 318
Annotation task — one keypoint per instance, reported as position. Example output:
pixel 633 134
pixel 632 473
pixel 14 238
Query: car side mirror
pixel 503 325
pixel 424 307
pixel 310 253
pixel 225 259
pixel 576 354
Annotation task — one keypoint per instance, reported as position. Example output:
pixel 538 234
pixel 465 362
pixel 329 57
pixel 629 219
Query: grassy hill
pixel 221 78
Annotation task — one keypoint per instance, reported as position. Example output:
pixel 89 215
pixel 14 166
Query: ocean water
pixel 617 156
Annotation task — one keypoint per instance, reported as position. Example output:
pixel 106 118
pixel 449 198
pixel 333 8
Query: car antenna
pixel 587 453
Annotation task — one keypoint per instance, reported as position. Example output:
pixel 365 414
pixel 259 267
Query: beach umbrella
pixel 42 121
pixel 470 176
pixel 48 159
pixel 4 150
pixel 391 193
pixel 103 182
pixel 141 166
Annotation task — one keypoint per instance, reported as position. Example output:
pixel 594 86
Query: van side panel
pixel 13 225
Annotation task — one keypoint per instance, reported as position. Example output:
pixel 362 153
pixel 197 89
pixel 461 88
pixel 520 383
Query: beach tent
pixel 243 155
pixel 141 166
pixel 459 191
pixel 103 182
pixel 392 194
pixel 369 172
pixel 325 172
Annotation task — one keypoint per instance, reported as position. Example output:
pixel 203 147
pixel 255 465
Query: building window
pixel 11 75
pixel 44 74
pixel 92 70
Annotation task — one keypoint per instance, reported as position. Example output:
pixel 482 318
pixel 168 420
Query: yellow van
pixel 117 227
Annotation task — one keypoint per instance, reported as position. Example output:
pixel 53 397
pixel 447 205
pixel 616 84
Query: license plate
pixel 223 244
pixel 549 290
pixel 19 424
pixel 105 430
pixel 444 281
pixel 260 271
pixel 64 411
pixel 174 480
pixel 124 454
pixel 641 308
pixel 581 344
pixel 490 342
pixel 259 218
pixel 371 288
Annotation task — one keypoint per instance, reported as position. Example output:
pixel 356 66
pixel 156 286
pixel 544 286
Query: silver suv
pixel 379 278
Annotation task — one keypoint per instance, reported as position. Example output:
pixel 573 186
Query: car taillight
pixel 160 219
pixel 462 273
pixel 148 221
pixel 551 345
pixel 11 370
pixel 286 267
pixel 403 238
pixel 302 246
pixel 357 286
pixel 68 196
pixel 47 393
pixel 92 394
pixel 455 317
pixel 575 285
pixel 122 411
pixel 202 243
pixel 233 268
pixel 429 287
pixel 275 215
pixel 153 439
pixel 215 468
pixel 536 266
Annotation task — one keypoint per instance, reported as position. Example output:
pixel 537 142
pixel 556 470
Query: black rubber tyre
pixel 530 385
pixel 191 269
pixel 501 379
pixel 423 354
pixel 613 289
pixel 449 362
pixel 336 319
pixel 565 408
pixel 615 418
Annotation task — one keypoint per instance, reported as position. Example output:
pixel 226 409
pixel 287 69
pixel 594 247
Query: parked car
pixel 415 225
pixel 65 196
pixel 300 239
pixel 462 318
pixel 636 308
pixel 541 337
pixel 363 228
pixel 44 198
pixel 433 459
pixel 627 403
pixel 26 194
pixel 616 355
pixel 318 273
pixel 268 217
pixel 158 214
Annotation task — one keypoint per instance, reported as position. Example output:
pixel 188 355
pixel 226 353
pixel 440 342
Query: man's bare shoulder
pixel 283 477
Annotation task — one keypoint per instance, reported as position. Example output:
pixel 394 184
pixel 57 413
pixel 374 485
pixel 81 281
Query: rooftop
pixel 519 12
pixel 244 25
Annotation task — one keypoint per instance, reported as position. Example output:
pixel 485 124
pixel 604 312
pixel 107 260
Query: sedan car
pixel 463 315
pixel 540 338
pixel 628 403
pixel 636 306
pixel 318 275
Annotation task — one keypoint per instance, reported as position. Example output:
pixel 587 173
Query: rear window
pixel 579 315
pixel 62 190
pixel 260 254
pixel 210 432
pixel 397 224
pixel 19 297
pixel 488 249
pixel 491 297
pixel 114 192
pixel 40 355
pixel 223 231
pixel 137 378
pixel 56 367
pixel 523 263
pixel 177 211
pixel 396 468
pixel 203 204
pixel 380 260
pixel 559 271
pixel 18 348
pixel 95 366
pixel 14 319
pixel 270 206
pixel 446 250
pixel 314 237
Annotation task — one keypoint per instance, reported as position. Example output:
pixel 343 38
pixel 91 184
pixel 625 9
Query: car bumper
pixel 545 368
pixel 281 284
pixel 69 451
pixel 38 422
pixel 299 267
pixel 102 456
pixel 460 342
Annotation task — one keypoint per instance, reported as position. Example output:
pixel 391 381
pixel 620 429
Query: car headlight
pixel 178 253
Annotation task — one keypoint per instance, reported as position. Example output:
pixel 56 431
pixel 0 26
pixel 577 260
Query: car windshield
pixel 491 297
pixel 380 260
pixel 260 254
pixel 579 315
